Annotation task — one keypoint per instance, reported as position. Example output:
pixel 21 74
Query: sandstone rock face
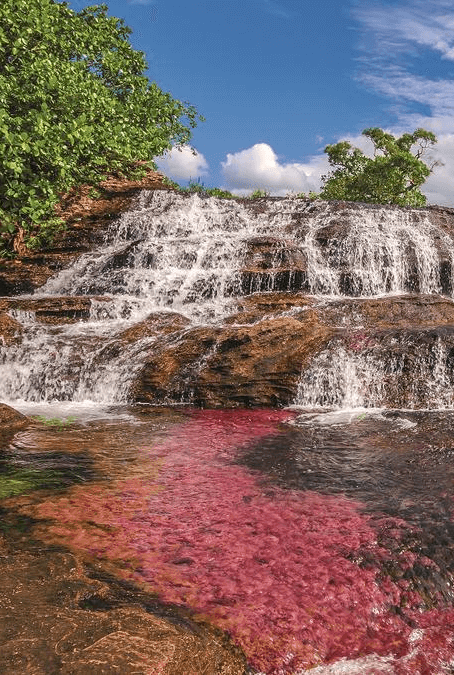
pixel 86 220
pixel 55 618
pixel 10 419
pixel 232 365
pixel 51 310
pixel 257 356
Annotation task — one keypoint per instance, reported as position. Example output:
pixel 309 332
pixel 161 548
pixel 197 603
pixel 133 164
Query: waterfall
pixel 191 254
pixel 186 252
pixel 403 372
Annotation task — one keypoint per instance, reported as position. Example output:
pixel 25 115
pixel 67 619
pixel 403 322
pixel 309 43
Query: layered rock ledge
pixel 86 219
pixel 257 357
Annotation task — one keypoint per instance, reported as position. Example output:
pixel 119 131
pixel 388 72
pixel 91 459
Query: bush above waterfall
pixel 74 105
pixel 393 177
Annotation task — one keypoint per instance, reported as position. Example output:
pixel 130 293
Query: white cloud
pixel 275 8
pixel 439 187
pixel 181 164
pixel 438 95
pixel 258 168
pixel 401 28
pixel 141 2
pixel 391 34
pixel 392 37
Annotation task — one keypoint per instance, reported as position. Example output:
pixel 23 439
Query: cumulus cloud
pixel 182 164
pixel 258 168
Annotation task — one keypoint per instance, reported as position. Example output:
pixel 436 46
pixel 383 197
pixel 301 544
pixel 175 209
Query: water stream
pixel 319 537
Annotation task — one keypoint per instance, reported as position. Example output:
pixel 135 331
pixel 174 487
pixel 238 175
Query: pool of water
pixel 320 541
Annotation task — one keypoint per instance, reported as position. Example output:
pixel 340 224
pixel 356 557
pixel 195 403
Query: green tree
pixel 74 105
pixel 392 177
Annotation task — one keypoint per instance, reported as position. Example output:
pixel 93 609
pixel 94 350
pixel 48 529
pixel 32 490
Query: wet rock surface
pixel 256 354
pixel 87 219
pixel 59 616
pixel 10 329
pixel 256 357
pixel 10 418
pixel 252 364
pixel 50 310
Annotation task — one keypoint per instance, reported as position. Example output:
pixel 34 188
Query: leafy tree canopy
pixel 392 177
pixel 74 104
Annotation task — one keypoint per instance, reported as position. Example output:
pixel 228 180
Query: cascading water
pixel 321 543
pixel 403 373
pixel 186 253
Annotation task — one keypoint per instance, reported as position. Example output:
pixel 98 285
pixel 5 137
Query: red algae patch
pixel 277 569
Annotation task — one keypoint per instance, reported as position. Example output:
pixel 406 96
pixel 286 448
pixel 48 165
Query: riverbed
pixel 319 541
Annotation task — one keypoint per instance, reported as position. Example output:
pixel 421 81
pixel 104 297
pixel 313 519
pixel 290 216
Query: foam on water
pixel 185 253
pixel 345 379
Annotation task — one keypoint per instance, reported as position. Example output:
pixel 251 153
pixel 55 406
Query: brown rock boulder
pixel 257 357
pixel 11 419
pixel 156 324
pixel 10 329
pixel 233 365
pixel 57 617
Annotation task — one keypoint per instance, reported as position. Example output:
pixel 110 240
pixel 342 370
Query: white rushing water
pixel 343 379
pixel 184 253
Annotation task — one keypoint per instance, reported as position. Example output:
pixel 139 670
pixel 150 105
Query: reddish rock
pixel 257 356
pixel 53 309
pixel 55 618
pixel 155 324
pixel 11 419
pixel 10 329
pixel 251 364
pixel 86 220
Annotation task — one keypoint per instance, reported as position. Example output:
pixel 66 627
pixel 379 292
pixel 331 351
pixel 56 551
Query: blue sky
pixel 277 80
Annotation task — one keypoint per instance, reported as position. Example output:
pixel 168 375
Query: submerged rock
pixel 11 421
pixel 56 617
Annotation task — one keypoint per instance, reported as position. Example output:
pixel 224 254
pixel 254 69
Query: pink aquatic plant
pixel 358 341
pixel 275 568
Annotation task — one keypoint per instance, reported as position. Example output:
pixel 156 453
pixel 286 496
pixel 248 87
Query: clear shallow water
pixel 320 541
